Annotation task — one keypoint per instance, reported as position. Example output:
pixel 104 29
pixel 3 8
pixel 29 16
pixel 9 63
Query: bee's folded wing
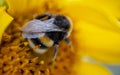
pixel 39 26
pixel 32 35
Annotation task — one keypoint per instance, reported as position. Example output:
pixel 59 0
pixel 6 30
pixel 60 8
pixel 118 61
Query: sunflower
pixel 95 38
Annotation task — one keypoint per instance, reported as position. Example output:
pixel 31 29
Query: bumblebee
pixel 47 30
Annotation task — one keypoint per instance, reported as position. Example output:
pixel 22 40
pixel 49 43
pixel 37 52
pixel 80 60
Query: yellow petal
pixel 87 68
pixel 98 42
pixel 111 58
pixel 24 7
pixel 5 20
pixel 16 6
pixel 1 2
pixel 110 6
pixel 2 8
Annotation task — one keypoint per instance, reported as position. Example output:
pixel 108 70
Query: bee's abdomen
pixel 36 41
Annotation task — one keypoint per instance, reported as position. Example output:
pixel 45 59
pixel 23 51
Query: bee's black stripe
pixel 43 16
pixel 36 41
pixel 56 36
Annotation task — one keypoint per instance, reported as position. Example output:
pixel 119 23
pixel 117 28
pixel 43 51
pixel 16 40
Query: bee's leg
pixel 55 51
pixel 68 41
pixel 44 15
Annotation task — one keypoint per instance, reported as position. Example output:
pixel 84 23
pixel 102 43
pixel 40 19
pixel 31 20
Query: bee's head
pixel 62 22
